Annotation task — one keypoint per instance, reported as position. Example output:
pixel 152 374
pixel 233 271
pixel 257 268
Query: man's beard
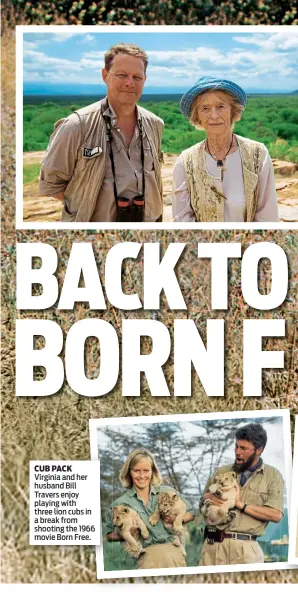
pixel 244 466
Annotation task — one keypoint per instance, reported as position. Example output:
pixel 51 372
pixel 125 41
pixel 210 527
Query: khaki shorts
pixel 231 552
pixel 163 555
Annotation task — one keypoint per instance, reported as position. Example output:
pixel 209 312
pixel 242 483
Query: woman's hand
pixel 214 499
pixel 169 519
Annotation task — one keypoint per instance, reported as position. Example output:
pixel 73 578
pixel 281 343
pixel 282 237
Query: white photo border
pixel 293 551
pixel 284 414
pixel 105 29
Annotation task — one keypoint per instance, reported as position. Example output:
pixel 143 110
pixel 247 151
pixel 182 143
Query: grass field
pixel 272 119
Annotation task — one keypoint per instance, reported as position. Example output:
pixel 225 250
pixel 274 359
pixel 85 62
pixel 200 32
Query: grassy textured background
pixel 161 12
pixel 57 427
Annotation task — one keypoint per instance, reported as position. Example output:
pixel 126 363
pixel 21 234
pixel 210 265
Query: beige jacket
pixel 76 159
pixel 207 199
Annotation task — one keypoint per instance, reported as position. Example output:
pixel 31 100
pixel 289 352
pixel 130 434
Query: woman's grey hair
pixel 236 108
pixel 131 461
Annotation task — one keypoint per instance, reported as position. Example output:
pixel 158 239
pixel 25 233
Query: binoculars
pixel 130 211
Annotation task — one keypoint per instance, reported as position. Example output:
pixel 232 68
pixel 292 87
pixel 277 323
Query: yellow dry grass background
pixel 56 427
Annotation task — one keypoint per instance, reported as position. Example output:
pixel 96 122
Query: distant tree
pixel 185 461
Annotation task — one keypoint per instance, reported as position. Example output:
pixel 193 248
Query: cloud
pixel 277 41
pixel 86 39
pixel 94 55
pixel 28 45
pixel 63 36
pixel 35 59
pixel 257 60
pixel 93 64
pixel 184 66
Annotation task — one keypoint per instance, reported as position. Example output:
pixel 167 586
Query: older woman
pixel 141 479
pixel 224 178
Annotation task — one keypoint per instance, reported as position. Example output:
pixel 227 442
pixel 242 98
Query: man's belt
pixel 213 535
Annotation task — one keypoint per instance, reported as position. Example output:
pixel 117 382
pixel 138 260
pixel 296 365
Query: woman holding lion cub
pixel 148 516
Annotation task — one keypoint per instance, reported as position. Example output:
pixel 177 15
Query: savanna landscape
pixel 271 119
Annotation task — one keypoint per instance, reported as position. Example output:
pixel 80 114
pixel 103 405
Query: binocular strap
pixel 111 155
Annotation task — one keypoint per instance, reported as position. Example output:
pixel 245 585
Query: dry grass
pixel 56 427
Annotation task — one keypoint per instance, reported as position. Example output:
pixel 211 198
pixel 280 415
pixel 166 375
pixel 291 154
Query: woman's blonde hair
pixel 236 108
pixel 131 461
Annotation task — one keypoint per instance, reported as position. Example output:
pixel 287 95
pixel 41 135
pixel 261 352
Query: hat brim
pixel 196 90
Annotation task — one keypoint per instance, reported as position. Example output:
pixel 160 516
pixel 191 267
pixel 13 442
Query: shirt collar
pixel 260 467
pixel 133 493
pixel 109 112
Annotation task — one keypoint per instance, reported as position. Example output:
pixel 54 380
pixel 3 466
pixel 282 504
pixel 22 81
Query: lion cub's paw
pixel 142 550
pixel 153 520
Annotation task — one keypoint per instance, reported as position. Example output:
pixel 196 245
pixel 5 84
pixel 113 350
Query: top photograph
pixel 176 126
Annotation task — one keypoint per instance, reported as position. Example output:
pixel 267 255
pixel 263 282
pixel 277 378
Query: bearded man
pixel 259 500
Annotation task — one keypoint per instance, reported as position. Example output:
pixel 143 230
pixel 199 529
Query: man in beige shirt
pixel 103 161
pixel 259 500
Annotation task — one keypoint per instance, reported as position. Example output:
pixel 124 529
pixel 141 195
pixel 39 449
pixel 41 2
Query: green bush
pixel 287 131
pixel 268 119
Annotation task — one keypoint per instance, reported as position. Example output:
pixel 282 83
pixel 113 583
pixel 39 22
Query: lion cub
pixel 225 486
pixel 126 518
pixel 169 503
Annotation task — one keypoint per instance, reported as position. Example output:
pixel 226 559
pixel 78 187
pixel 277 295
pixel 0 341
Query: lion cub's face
pixel 226 480
pixel 119 514
pixel 167 500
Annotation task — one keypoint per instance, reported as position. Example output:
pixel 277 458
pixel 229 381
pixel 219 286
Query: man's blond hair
pixel 126 49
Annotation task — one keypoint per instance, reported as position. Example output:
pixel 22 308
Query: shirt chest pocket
pixel 148 157
pixel 257 494
pixel 89 157
pixel 143 514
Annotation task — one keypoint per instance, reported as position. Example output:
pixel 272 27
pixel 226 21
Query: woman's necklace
pixel 220 161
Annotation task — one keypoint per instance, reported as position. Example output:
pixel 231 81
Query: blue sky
pixel 256 61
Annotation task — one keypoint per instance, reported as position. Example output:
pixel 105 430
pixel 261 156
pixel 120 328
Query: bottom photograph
pixel 193 493
pixel 293 546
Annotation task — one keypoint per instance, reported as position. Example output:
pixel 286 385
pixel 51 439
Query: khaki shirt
pixel 264 487
pixel 128 173
pixel 77 159
pixel 158 533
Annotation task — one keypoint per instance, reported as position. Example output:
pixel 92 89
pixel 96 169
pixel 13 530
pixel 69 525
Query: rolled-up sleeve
pixel 182 210
pixel 267 210
pixel 275 497
pixel 60 159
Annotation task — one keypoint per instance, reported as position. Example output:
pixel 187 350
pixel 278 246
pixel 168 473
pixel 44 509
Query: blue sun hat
pixel 210 83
